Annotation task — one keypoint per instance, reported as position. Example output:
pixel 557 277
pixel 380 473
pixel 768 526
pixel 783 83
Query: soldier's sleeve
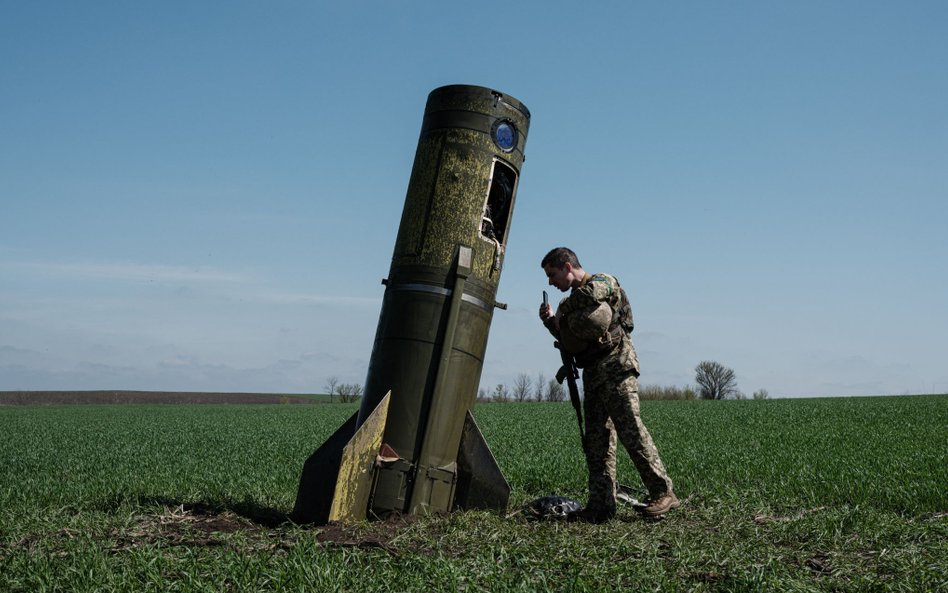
pixel 601 288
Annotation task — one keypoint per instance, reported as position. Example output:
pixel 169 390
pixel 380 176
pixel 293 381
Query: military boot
pixel 661 505
pixel 591 515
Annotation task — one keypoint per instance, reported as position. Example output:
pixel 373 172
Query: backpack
pixel 624 312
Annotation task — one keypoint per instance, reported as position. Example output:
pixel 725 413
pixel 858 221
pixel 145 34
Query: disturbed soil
pixel 199 525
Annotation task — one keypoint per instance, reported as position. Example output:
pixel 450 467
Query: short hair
pixel 559 257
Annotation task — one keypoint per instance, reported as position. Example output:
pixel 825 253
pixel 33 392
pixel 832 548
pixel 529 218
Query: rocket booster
pixel 413 447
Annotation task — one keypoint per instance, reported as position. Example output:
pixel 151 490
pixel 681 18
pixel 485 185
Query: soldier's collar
pixel 586 279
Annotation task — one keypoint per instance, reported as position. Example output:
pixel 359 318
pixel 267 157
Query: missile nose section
pixel 421 450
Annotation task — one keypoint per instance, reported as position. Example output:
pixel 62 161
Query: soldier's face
pixel 561 278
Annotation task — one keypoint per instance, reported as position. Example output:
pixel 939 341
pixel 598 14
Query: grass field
pixel 842 494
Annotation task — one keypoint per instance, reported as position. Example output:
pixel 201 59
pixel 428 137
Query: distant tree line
pixel 525 389
pixel 713 381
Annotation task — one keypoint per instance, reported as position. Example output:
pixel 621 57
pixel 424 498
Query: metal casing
pixel 440 292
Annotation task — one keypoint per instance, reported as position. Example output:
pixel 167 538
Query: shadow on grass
pixel 200 524
pixel 258 514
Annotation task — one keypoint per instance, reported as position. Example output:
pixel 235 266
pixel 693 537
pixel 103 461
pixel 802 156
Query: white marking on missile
pixel 440 290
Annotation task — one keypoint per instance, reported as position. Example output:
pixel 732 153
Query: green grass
pixel 847 494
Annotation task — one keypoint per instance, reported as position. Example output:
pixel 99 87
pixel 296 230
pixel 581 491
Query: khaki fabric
pixel 611 404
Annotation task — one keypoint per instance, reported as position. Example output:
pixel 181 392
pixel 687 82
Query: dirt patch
pixel 13 398
pixel 203 526
pixel 819 565
pixel 378 534
pixel 187 525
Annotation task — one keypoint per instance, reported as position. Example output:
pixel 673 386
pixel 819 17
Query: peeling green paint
pixel 444 207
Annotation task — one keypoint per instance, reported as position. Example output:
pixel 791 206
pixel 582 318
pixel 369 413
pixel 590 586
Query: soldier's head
pixel 562 268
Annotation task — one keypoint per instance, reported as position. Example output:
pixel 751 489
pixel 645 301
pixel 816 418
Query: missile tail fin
pixel 337 477
pixel 350 500
pixel 480 483
pixel 320 472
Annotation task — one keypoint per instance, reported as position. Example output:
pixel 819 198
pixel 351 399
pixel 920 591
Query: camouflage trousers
pixel 611 407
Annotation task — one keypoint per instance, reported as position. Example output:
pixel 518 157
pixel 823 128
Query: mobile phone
pixel 546 299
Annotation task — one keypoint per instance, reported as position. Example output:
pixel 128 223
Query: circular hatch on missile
pixel 504 134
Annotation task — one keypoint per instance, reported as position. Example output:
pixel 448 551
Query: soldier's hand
pixel 549 319
pixel 546 313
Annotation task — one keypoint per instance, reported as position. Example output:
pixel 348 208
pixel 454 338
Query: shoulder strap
pixel 624 313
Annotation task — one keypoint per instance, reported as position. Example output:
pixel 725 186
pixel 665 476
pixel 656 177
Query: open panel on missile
pixel 499 203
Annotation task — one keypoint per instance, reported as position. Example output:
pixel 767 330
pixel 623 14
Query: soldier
pixel 593 324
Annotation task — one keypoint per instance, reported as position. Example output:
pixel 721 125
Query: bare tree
pixel 555 391
pixel 482 395
pixel 331 384
pixel 501 394
pixel 761 394
pixel 715 381
pixel 541 384
pixel 349 392
pixel 522 387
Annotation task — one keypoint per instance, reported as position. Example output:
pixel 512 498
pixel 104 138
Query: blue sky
pixel 205 196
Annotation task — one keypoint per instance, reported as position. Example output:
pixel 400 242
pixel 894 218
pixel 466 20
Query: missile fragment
pixel 413 447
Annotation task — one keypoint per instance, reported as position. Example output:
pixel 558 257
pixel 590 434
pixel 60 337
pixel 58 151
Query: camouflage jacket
pixel 614 354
